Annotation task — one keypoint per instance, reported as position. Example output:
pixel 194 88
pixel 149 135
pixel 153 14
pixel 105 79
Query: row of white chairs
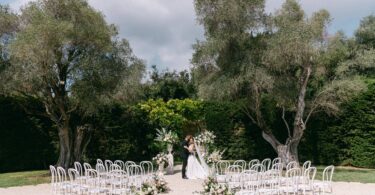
pixel 108 177
pixel 259 179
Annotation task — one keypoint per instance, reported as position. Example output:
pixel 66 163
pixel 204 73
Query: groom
pixel 185 154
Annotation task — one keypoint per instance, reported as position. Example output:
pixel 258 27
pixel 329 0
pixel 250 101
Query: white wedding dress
pixel 194 169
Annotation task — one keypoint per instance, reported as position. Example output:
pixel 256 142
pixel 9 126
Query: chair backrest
pixel 120 163
pixel 147 167
pixel 328 173
pixel 99 161
pixel 258 168
pixel 306 165
pixel 115 167
pixel 53 174
pixel 278 167
pixel 78 167
pixel 73 175
pixel 128 164
pixel 86 166
pixel 234 169
pixel 266 163
pixel 276 160
pixel 135 170
pixel 221 167
pixel 107 164
pixel 293 177
pixel 291 165
pixel 309 174
pixel 241 163
pixel 100 169
pixel 93 177
pixel 253 162
pixel 61 174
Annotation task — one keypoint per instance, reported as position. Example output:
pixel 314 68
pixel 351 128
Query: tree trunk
pixel 82 139
pixel 289 151
pixel 65 157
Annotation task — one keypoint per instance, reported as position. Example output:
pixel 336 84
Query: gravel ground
pixel 187 187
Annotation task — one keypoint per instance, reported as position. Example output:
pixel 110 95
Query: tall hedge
pixel 25 142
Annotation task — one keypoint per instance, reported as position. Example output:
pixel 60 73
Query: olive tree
pixel 284 57
pixel 68 57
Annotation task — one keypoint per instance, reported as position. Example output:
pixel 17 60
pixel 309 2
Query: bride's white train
pixel 196 169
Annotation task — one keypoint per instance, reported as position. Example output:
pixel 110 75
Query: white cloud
pixel 162 31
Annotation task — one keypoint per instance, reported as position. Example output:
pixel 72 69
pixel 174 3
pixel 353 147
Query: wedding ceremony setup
pixel 187 97
pixel 221 177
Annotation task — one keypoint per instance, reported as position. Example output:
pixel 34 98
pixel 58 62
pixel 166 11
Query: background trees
pixel 68 57
pixel 279 59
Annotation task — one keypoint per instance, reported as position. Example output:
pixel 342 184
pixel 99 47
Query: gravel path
pixel 187 187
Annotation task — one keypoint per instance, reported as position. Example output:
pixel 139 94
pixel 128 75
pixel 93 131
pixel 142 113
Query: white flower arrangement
pixel 156 186
pixel 212 187
pixel 166 136
pixel 214 157
pixel 206 137
pixel 161 158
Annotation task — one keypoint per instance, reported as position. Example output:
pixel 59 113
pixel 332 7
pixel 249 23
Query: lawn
pixel 24 178
pixel 350 174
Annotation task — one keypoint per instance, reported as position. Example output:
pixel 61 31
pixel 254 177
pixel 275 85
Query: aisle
pixel 181 186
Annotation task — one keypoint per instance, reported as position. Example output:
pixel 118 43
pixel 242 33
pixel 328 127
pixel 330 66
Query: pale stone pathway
pixel 180 186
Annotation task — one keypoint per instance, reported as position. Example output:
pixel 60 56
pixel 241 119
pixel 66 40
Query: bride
pixel 194 169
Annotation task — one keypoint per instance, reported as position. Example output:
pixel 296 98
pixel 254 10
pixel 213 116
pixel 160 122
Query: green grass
pixel 24 178
pixel 350 174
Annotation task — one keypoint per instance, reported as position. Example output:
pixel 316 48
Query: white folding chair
pixel 249 182
pixel 233 175
pixel 292 180
pixel 221 167
pixel 306 165
pixel 54 179
pixel 326 184
pixel 107 164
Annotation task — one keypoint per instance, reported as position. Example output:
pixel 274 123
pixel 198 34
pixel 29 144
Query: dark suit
pixel 184 155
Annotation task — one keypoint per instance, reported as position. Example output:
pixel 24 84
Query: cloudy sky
pixel 162 31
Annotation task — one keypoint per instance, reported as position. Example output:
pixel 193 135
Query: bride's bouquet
pixel 166 136
pixel 206 137
pixel 161 158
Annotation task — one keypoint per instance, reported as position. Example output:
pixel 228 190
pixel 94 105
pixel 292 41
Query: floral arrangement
pixel 166 136
pixel 212 187
pixel 206 137
pixel 156 186
pixel 161 158
pixel 214 157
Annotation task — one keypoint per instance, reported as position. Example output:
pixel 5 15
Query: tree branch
pixel 286 123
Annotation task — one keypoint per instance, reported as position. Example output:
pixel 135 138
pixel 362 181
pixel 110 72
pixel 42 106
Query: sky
pixel 162 32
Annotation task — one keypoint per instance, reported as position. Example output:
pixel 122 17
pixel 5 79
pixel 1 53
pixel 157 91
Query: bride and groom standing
pixel 191 167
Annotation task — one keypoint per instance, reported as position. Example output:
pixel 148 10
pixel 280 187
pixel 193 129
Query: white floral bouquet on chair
pixel 205 137
pixel 156 186
pixel 161 159
pixel 166 136
pixel 212 187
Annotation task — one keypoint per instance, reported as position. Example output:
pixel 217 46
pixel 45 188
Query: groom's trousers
pixel 184 164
